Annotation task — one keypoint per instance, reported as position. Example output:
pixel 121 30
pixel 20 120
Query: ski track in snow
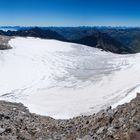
pixel 64 80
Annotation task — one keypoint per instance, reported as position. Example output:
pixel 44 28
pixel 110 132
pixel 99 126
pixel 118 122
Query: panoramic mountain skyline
pixel 70 13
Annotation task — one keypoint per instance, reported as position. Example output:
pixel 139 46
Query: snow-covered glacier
pixel 63 80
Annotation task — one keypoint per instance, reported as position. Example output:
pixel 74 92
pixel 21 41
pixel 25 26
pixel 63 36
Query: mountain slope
pixel 105 42
pixel 126 36
pixel 113 40
pixel 35 32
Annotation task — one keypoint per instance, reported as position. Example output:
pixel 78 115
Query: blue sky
pixel 70 12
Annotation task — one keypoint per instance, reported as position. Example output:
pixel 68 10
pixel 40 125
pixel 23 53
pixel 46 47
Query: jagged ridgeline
pixel 116 40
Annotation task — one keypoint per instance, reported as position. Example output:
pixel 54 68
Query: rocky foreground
pixel 122 123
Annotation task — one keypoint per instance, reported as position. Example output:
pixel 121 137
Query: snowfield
pixel 64 80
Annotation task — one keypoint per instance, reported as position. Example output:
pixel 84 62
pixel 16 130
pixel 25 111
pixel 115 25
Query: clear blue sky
pixel 70 12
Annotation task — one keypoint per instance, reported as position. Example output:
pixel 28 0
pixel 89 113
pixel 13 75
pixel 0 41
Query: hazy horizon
pixel 80 26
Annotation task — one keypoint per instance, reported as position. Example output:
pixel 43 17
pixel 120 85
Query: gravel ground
pixel 121 123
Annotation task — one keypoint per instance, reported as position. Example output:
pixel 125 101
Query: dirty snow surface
pixel 64 80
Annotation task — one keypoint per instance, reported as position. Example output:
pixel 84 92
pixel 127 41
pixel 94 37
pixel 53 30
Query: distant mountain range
pixel 116 40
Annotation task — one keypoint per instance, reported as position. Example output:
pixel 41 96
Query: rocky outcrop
pixel 4 43
pixel 121 123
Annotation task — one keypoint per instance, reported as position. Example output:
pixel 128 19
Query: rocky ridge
pixel 121 123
